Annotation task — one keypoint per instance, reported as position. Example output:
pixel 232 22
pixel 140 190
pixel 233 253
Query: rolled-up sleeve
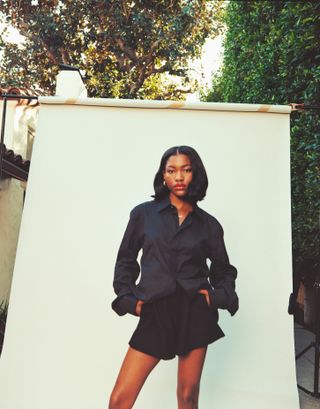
pixel 127 268
pixel 222 274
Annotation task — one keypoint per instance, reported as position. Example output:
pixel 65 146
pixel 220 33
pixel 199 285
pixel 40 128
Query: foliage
pixel 272 56
pixel 124 47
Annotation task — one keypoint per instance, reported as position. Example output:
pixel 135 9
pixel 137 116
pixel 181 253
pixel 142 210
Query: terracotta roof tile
pixel 20 91
pixel 13 165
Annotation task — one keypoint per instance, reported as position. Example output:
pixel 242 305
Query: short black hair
pixel 198 186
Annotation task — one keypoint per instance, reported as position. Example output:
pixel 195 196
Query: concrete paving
pixel 305 367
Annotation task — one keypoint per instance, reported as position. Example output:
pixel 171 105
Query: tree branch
pixel 128 51
pixel 65 55
pixel 138 84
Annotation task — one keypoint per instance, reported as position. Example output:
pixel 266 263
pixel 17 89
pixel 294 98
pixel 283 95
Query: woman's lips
pixel 179 186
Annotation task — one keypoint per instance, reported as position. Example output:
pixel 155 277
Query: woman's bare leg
pixel 189 374
pixel 134 371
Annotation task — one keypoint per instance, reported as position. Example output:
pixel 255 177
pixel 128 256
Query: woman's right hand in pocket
pixel 206 293
pixel 138 307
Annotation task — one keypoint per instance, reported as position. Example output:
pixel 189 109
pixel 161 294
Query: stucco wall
pixel 19 135
pixel 11 202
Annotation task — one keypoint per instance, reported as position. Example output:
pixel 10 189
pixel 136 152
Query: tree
pixel 272 56
pixel 124 47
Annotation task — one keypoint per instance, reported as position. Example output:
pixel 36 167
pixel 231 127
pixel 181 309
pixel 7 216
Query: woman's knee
pixel 117 399
pixel 188 395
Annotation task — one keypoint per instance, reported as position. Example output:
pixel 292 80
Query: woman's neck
pixel 180 204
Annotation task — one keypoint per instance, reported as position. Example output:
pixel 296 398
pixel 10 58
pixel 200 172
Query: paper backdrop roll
pixel 93 161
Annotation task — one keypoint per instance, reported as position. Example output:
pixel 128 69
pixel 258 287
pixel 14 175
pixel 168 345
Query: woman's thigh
pixel 190 369
pixel 134 370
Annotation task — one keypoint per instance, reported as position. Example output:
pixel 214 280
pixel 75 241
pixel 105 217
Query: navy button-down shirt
pixel 172 253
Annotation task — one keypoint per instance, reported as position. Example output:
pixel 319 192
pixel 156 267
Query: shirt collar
pixel 165 202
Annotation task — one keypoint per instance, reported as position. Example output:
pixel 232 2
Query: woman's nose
pixel 179 175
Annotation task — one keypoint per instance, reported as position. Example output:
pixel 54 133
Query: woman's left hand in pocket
pixel 138 307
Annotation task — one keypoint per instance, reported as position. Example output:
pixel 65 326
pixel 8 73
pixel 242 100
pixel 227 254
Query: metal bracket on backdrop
pixel 303 107
pixel 5 98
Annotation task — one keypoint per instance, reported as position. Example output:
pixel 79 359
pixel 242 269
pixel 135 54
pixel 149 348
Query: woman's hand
pixel 206 293
pixel 138 307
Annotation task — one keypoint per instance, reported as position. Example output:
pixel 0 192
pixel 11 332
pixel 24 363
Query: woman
pixel 178 296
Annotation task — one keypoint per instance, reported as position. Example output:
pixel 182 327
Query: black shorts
pixel 176 324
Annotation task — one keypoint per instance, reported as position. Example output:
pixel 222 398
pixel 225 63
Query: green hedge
pixel 272 56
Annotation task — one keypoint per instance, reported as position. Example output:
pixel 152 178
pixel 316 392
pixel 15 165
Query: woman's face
pixel 178 174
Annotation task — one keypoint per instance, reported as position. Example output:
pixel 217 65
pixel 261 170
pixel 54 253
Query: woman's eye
pixel 170 171
pixel 188 170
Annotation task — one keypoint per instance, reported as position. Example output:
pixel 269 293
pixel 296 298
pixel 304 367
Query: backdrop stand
pixel 316 345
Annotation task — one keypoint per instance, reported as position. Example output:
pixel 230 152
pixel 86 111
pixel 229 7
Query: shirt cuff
pixel 125 304
pixel 217 298
pixel 233 308
pixel 220 299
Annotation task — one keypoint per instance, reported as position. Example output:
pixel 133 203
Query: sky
pixel 13 35
pixel 209 63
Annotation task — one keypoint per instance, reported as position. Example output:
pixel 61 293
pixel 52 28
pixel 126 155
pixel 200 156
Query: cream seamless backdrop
pixel 91 165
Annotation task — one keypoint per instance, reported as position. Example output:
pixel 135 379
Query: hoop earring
pixel 164 183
